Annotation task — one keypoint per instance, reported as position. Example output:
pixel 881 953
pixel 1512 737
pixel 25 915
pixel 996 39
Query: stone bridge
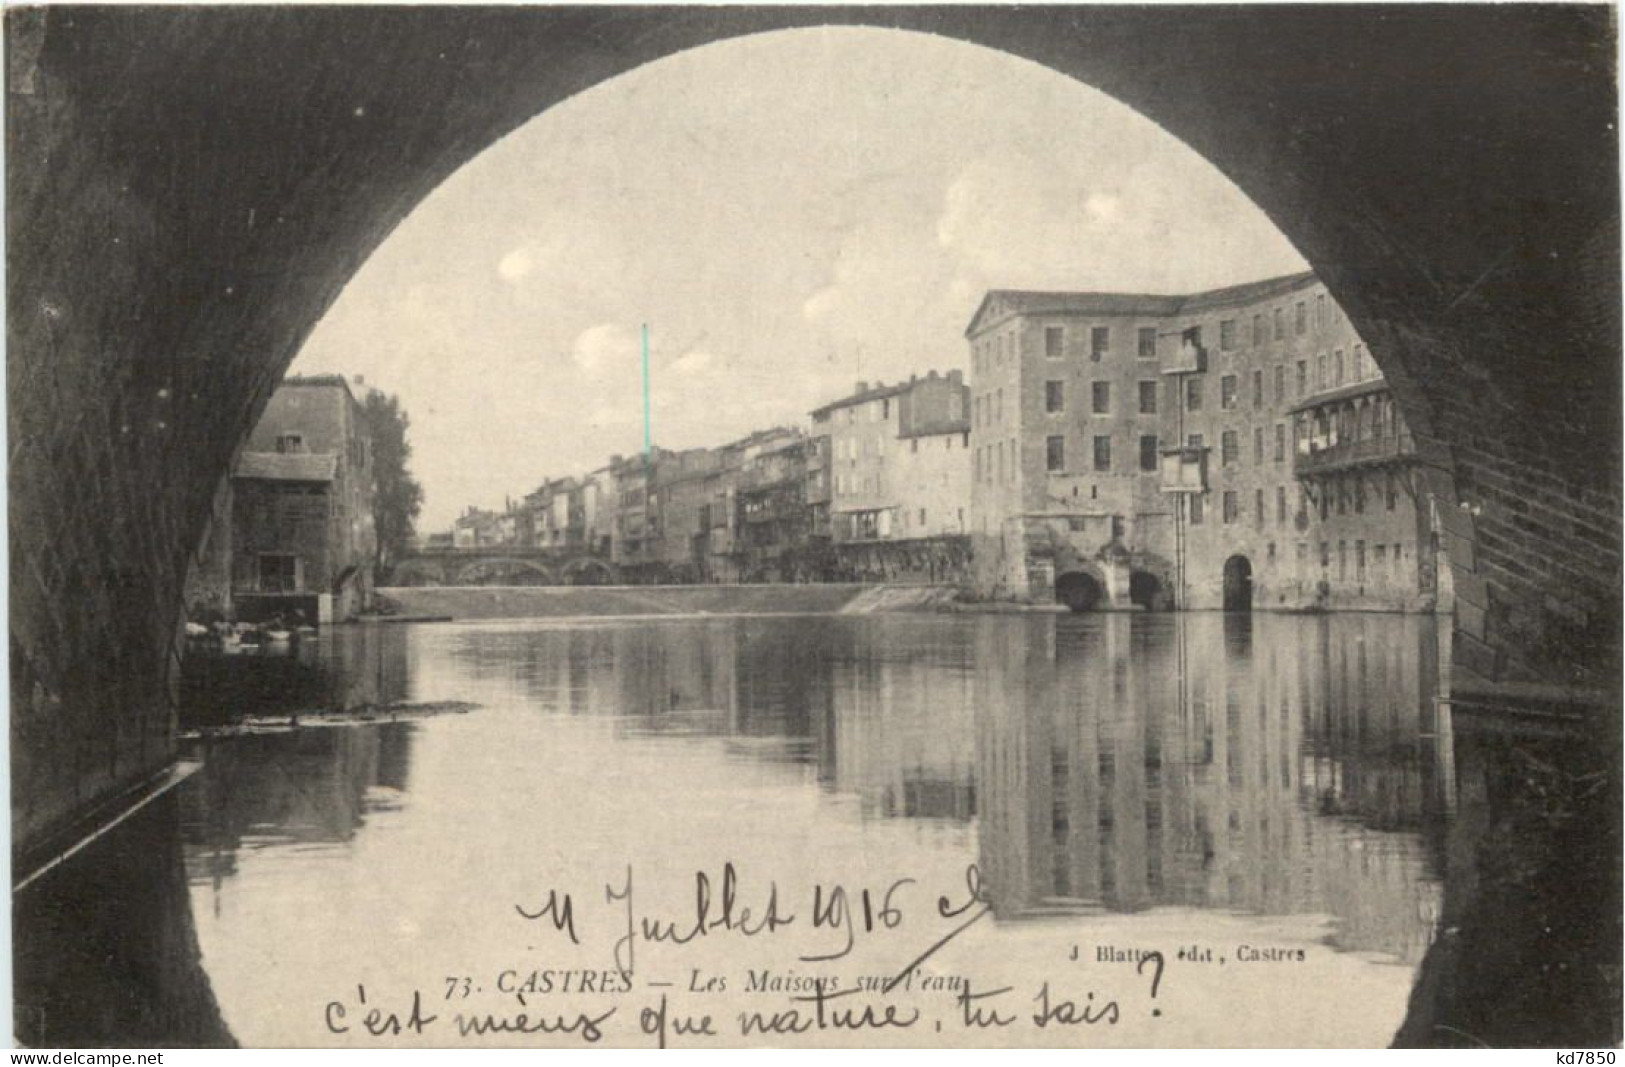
pixel 189 189
pixel 503 565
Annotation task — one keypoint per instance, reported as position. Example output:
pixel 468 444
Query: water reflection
pixel 342 669
pixel 307 789
pixel 1284 766
pixel 1274 766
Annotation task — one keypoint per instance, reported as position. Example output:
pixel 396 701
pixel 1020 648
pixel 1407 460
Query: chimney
pixel 861 386
pixel 933 375
pixel 955 377
pixel 360 379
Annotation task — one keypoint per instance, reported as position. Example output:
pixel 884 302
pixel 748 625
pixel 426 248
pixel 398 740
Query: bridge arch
pixel 482 571
pixel 417 571
pixel 226 254
pixel 588 571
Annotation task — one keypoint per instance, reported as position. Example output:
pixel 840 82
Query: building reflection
pixel 1270 765
pixel 1265 764
pixel 309 787
pixel 341 670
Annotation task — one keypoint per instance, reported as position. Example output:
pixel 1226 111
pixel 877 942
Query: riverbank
pixel 529 602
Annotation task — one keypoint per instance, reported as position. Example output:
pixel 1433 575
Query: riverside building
pixel 1234 448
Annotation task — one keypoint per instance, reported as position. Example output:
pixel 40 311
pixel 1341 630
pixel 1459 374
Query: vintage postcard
pixel 743 526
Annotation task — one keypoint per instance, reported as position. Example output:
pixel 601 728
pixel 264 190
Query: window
pixel 1230 507
pixel 1302 319
pixel 290 442
pixel 1337 367
pixel 1258 388
pixel 1280 442
pixel 1100 341
pixel 1148 398
pixel 1280 505
pixel 1342 560
pixel 1103 453
pixel 1227 335
pixel 1147 347
pixel 1148 452
pixel 1258 330
pixel 1258 507
pixel 1321 318
pixel 1280 383
pixel 1303 377
pixel 279 573
pixel 1193 394
pixel 1054 397
pixel 914 444
pixel 998 407
pixel 1229 452
pixel 1227 392
pixel 1392 493
pixel 1055 453
pixel 1258 444
pixel 885 409
pixel 1320 371
pixel 1280 325
pixel 1102 397
pixel 1325 554
pixel 1196 509
pixel 1193 441
pixel 1054 341
pixel 1359 561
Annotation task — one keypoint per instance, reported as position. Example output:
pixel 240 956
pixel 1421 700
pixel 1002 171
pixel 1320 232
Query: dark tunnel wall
pixel 189 189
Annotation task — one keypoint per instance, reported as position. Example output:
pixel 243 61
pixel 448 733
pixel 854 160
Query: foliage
pixel 397 497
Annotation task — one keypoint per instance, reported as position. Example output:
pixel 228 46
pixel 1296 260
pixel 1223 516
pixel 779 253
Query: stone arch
pixel 1238 584
pixel 1082 588
pixel 588 571
pixel 417 571
pixel 227 254
pixel 471 573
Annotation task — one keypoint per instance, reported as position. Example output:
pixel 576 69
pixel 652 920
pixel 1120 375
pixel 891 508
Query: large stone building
pixel 1232 448
pixel 292 533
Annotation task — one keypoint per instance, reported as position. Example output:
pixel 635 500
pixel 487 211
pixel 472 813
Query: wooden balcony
pixel 1371 452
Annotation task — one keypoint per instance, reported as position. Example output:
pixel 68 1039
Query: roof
pixel 1035 302
pixel 872 393
pixel 287 466
pixel 325 381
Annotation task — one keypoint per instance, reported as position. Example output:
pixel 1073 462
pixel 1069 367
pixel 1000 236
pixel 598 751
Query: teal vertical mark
pixel 648 428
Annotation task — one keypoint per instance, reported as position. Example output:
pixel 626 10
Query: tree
pixel 396 495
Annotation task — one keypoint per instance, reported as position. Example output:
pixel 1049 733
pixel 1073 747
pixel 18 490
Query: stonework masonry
pixel 1173 451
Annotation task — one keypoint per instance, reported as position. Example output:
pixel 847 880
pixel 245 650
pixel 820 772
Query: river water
pixel 1264 800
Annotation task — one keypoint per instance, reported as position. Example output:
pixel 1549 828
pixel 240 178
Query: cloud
pixel 516 265
pixel 607 346
pixel 693 362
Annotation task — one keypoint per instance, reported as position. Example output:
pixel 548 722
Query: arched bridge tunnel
pixel 502 564
pixel 189 190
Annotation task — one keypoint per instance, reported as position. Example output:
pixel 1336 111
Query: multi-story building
pixel 293 533
pixel 631 497
pixel 771 503
pixel 1140 449
pixel 680 498
pixel 897 459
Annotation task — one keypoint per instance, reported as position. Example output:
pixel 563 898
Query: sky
pixel 789 213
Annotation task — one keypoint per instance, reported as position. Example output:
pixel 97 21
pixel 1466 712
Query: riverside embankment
pixel 527 602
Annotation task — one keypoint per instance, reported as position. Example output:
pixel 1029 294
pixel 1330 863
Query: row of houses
pixel 1218 449
pixel 782 504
